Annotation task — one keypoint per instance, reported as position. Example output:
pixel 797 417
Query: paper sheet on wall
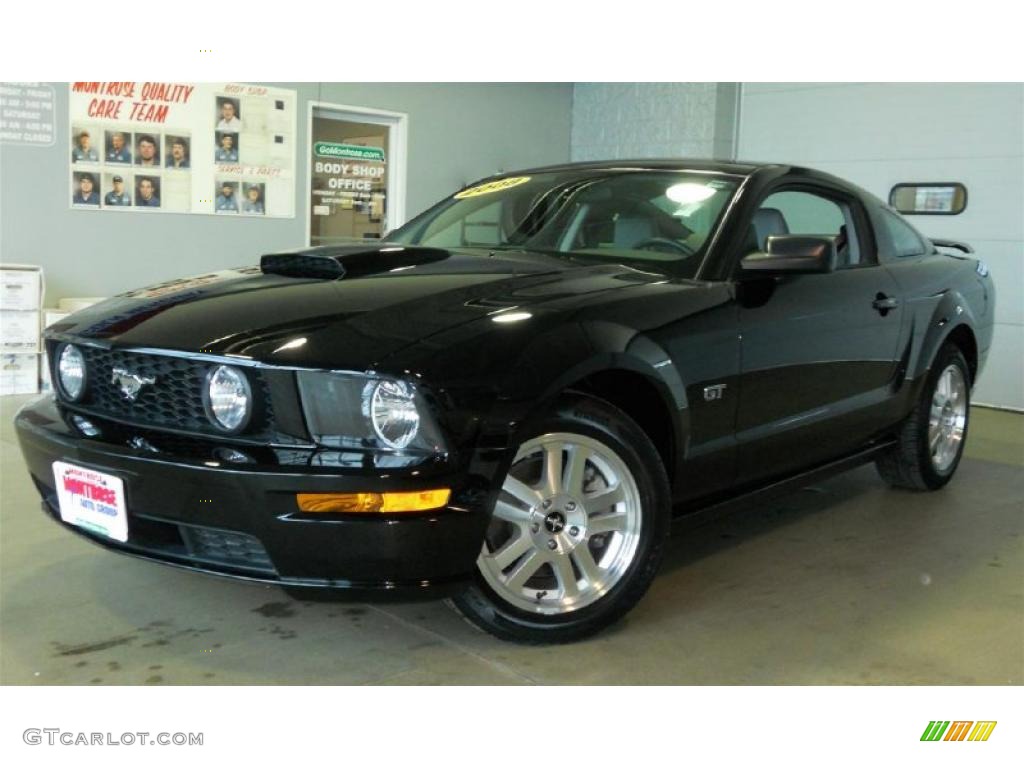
pixel 213 148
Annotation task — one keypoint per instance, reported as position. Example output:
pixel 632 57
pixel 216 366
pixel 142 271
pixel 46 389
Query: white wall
pixel 631 120
pixel 458 132
pixel 877 135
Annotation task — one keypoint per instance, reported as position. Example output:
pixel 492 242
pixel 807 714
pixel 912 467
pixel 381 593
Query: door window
pixel 796 212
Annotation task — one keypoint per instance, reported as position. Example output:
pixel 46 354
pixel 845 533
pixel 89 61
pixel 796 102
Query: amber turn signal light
pixel 348 503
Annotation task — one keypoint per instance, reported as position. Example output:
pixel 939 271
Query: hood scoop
pixel 333 262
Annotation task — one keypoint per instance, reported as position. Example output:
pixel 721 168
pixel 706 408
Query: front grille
pixel 174 399
pixel 177 444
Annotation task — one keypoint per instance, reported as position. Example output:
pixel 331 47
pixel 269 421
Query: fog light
pixel 228 398
pixel 415 501
pixel 234 456
pixel 71 372
pixel 85 426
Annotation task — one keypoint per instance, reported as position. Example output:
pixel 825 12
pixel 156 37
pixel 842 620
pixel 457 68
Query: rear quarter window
pixel 902 240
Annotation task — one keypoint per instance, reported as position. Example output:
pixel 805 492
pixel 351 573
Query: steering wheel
pixel 661 244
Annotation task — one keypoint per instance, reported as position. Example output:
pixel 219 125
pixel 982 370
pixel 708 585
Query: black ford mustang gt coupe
pixel 508 399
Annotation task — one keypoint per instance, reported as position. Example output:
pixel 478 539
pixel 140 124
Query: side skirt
pixel 695 517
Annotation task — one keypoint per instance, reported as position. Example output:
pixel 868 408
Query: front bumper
pixel 243 522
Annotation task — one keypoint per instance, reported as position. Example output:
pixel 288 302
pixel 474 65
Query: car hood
pixel 384 300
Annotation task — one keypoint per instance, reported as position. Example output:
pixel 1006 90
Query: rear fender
pixel 951 312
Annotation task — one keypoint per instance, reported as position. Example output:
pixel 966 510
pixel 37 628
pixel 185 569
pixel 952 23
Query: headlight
pixel 347 410
pixel 71 371
pixel 393 413
pixel 228 398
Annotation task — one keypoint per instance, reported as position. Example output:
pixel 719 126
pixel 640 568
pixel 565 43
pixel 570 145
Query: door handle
pixel 885 303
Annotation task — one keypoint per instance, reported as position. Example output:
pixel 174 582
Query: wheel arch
pixel 637 377
pixel 963 337
pixel 951 321
pixel 638 397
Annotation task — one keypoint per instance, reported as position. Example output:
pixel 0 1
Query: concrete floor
pixel 846 582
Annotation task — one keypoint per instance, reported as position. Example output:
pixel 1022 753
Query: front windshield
pixel 649 219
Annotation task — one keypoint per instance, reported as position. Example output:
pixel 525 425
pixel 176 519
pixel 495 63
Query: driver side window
pixel 797 212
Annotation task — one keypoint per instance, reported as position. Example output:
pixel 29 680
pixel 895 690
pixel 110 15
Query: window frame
pixel 867 238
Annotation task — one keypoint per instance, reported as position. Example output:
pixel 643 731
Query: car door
pixel 819 351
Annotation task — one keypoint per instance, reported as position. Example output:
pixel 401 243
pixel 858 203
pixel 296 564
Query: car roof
pixel 737 168
pixel 730 167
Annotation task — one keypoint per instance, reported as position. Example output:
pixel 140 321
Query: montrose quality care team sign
pixel 157 147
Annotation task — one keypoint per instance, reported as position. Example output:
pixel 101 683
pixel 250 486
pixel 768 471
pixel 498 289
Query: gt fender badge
pixel 714 392
pixel 130 383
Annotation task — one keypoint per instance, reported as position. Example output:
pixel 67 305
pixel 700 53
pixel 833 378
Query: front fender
pixel 556 361
pixel 495 378
pixel 581 351
pixel 615 347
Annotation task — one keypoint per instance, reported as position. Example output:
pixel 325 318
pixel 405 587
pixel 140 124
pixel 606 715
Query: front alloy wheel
pixel 577 530
pixel 565 527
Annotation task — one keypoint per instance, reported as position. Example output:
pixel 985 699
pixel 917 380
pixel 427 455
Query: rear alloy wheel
pixel 931 439
pixel 947 420
pixel 577 529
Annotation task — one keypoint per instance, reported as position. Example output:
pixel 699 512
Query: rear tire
pixel 931 439
pixel 578 530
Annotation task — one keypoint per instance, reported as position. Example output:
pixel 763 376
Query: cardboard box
pixel 45 384
pixel 19 330
pixel 51 316
pixel 73 305
pixel 19 374
pixel 21 287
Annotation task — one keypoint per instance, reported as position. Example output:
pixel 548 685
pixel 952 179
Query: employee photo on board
pixel 147 191
pixel 117 194
pixel 253 202
pixel 227 148
pixel 177 152
pixel 227 197
pixel 82 150
pixel 117 147
pixel 147 149
pixel 86 191
pixel 229 117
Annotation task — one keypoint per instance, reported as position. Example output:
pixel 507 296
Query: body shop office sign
pixel 348 177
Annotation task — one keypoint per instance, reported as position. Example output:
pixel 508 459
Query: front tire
pixel 931 439
pixel 578 529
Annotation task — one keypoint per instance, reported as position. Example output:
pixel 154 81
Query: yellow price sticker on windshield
pixel 492 186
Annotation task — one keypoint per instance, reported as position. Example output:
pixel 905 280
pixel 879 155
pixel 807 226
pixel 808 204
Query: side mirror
pixel 794 254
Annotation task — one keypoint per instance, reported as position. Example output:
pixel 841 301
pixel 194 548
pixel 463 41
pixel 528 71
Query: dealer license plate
pixel 91 500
